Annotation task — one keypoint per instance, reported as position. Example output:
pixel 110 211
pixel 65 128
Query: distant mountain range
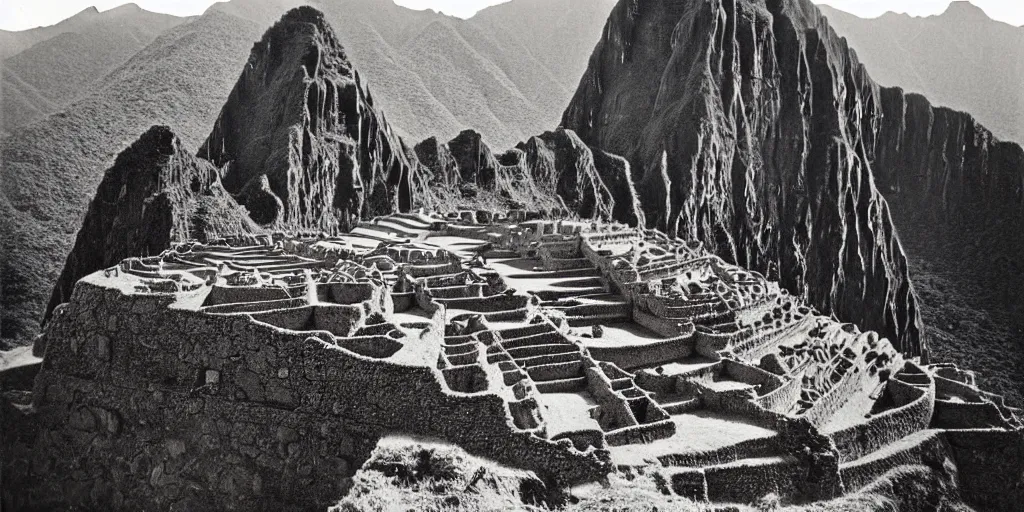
pixel 46 69
pixel 509 70
pixel 960 59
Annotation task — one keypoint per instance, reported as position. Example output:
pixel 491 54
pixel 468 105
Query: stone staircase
pixel 552 361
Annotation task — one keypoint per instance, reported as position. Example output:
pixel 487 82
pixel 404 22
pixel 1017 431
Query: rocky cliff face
pixel 748 126
pixel 941 169
pixel 474 158
pixel 156 193
pixel 555 170
pixel 435 156
pixel 942 163
pixel 303 145
pixel 562 164
pixel 617 176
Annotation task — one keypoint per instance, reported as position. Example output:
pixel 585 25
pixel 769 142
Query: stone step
pixel 538 350
pixel 555 371
pixel 597 308
pixel 751 449
pixel 544 338
pixel 681 406
pixel 566 293
pixel 602 319
pixel 562 385
pixel 528 330
pixel 565 357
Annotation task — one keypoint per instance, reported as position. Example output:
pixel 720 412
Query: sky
pixel 24 14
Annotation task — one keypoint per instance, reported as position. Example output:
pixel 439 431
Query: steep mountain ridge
pixel 750 137
pixel 945 57
pixel 14 42
pixel 310 131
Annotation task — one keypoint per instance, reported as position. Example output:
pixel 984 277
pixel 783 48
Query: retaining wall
pixel 261 413
pixel 888 426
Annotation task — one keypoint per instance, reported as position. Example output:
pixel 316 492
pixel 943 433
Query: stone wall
pixel 171 408
pixel 886 427
pixel 926 447
pixel 647 355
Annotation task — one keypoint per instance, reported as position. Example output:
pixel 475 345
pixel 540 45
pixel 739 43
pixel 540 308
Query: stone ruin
pixel 259 372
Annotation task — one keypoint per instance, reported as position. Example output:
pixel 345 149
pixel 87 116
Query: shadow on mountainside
pixel 973 312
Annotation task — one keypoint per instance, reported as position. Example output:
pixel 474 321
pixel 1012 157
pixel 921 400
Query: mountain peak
pixel 964 10
pixel 321 123
pixel 306 14
pixel 129 7
pixel 155 193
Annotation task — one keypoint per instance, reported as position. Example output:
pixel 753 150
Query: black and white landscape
pixel 580 254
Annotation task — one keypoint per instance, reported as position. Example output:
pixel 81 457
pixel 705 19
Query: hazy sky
pixel 23 14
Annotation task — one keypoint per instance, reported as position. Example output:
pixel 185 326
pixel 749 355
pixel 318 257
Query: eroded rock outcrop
pixel 157 192
pixel 560 162
pixel 747 125
pixel 617 176
pixel 475 160
pixel 553 170
pixel 435 156
pixel 300 127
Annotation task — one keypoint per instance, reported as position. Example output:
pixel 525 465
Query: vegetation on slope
pixel 51 169
pixel 53 73
pixel 972 309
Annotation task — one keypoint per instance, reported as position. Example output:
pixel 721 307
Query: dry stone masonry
pixel 259 372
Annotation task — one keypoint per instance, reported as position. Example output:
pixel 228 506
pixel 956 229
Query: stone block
pixel 690 484
pixel 103 348
pixel 212 377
